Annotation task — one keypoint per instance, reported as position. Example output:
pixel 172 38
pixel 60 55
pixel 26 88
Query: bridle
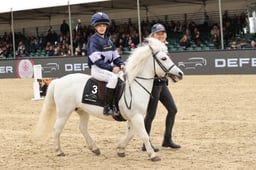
pixel 143 78
pixel 158 62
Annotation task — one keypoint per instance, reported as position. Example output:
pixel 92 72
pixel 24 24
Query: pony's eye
pixel 163 58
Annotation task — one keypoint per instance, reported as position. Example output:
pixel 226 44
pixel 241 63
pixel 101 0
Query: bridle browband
pixel 143 78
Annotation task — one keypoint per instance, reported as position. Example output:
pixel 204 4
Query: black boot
pixel 115 104
pixel 108 108
pixel 169 143
pixel 168 131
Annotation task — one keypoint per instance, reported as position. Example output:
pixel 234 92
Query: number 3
pixel 95 89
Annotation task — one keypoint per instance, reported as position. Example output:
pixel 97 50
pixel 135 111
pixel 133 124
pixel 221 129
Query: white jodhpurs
pixel 104 75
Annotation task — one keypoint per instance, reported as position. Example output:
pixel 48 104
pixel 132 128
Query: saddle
pixel 94 93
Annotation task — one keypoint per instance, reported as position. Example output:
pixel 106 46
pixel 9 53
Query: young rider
pixel 161 92
pixel 103 58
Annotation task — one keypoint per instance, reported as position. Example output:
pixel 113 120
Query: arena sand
pixel 215 125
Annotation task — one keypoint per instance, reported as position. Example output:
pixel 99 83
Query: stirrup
pixel 108 111
pixel 116 110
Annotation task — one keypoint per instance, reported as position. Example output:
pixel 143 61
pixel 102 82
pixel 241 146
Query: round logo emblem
pixel 24 68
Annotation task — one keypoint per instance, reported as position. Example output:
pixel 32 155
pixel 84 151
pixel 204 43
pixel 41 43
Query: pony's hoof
pixel 97 152
pixel 61 154
pixel 121 154
pixel 155 159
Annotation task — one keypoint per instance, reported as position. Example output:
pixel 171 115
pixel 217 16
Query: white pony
pixel 64 96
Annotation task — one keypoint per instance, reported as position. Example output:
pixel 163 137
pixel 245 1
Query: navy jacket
pixel 102 52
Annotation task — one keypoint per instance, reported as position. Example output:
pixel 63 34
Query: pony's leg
pixel 83 126
pixel 138 123
pixel 125 140
pixel 62 117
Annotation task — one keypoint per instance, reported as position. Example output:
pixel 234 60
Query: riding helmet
pixel 100 18
pixel 157 28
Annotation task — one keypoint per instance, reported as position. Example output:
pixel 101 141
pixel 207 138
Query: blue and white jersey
pixel 102 52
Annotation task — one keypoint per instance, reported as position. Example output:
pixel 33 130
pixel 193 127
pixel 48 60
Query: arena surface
pixel 215 125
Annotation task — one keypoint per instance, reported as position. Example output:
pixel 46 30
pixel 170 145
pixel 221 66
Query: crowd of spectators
pixel 126 37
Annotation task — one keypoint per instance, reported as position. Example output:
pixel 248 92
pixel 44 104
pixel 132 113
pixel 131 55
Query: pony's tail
pixel 47 115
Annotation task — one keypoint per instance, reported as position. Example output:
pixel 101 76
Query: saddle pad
pixel 94 91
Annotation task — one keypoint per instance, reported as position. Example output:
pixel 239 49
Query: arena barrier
pixel 192 63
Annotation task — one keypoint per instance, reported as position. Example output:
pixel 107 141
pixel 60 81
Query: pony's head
pixel 154 57
pixel 163 65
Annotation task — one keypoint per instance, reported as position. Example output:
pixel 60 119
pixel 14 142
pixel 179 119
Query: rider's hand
pixel 116 69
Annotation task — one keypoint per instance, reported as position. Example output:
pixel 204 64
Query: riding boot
pixel 115 104
pixel 169 143
pixel 108 107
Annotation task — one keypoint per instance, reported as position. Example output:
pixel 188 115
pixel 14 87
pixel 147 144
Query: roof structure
pixel 47 8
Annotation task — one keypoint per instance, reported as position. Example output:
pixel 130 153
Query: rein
pixel 130 91
pixel 143 86
pixel 125 101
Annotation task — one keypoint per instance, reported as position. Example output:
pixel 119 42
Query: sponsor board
pixel 192 63
pixel 24 68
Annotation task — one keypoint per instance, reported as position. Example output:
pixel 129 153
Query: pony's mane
pixel 137 60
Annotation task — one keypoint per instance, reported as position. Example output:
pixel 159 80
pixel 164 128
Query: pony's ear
pixel 156 44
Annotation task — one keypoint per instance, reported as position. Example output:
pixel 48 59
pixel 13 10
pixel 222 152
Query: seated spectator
pixel 48 45
pixel 68 53
pixel 84 50
pixel 20 54
pixel 242 44
pixel 188 33
pixel 1 52
pixel 233 44
pixel 215 36
pixel 184 42
pixel 57 51
pixel 51 51
pixel 77 51
pixel 131 44
pixel 21 50
pixel 253 44
pixel 198 40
